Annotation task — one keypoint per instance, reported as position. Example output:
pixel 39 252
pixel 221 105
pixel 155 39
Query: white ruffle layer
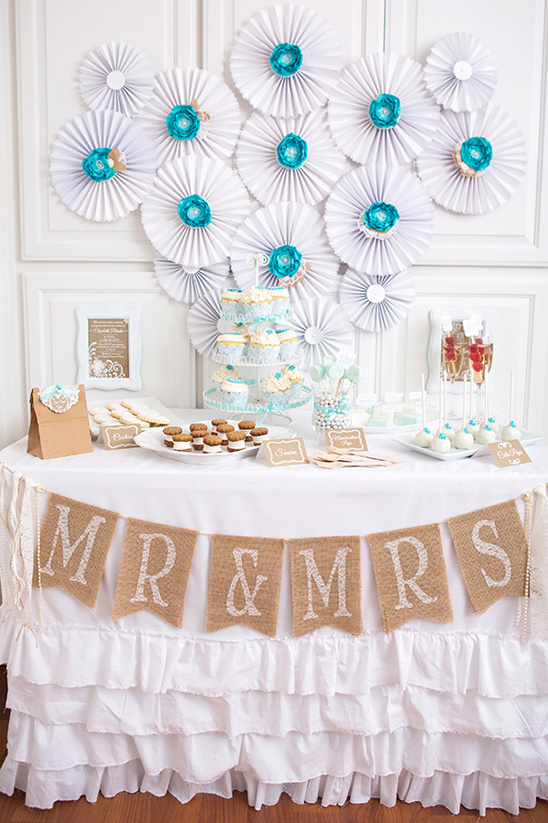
pixel 384 709
pixel 447 769
pixel 491 665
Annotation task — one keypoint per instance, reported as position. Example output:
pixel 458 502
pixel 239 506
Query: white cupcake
pixel 264 347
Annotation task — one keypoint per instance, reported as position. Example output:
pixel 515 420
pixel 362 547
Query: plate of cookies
pixel 146 412
pixel 210 441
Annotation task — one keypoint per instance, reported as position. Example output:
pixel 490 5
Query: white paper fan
pixel 398 210
pixel 461 188
pixel 102 165
pixel 191 112
pixel 292 236
pixel 193 210
pixel 381 111
pixel 289 159
pixel 286 60
pixel 322 328
pixel 188 285
pixel 204 323
pixel 117 76
pixel 376 302
pixel 460 72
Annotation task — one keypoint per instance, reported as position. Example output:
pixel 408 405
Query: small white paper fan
pixel 313 269
pixel 363 189
pixel 117 76
pixel 291 159
pixel 376 303
pixel 210 189
pixel 322 328
pixel 460 72
pixel 88 139
pixel 188 285
pixel 486 190
pixel 381 110
pixel 286 60
pixel 204 323
pixel 191 112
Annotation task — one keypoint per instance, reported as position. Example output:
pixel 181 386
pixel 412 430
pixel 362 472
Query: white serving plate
pixel 408 440
pixel 431 415
pixel 153 402
pixel 153 440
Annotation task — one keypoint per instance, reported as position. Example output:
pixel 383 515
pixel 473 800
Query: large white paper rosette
pixel 289 158
pixel 191 112
pixel 102 165
pixel 286 60
pixel 193 210
pixel 188 285
pixel 117 76
pixel 381 110
pixel 292 237
pixel 204 323
pixel 476 161
pixel 460 72
pixel 379 219
pixel 322 328
pixel 376 303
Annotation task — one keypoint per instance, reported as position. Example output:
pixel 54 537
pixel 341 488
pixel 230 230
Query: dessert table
pixel 452 713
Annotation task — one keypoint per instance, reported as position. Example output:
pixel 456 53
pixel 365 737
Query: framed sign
pixel 109 347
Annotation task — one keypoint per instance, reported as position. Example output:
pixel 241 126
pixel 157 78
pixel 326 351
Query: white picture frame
pixel 112 360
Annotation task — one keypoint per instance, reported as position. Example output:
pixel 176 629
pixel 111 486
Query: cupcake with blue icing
pixel 296 380
pixel 230 302
pixel 264 347
pixel 280 301
pixel 276 388
pixel 234 393
pixel 231 346
pixel 288 343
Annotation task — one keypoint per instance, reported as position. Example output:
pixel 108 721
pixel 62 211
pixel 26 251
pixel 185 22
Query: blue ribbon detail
pixel 194 211
pixel 96 165
pixel 286 59
pixel 292 151
pixel 50 391
pixel 477 153
pixel 183 123
pixel 384 111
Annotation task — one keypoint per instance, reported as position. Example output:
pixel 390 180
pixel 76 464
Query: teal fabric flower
pixel 385 110
pixel 183 123
pixel 285 261
pixel 292 151
pixel 381 216
pixel 96 165
pixel 477 153
pixel 194 211
pixel 286 59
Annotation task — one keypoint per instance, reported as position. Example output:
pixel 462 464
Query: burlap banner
pixel 315 562
pixel 154 570
pixel 74 543
pixel 411 576
pixel 244 583
pixel 492 552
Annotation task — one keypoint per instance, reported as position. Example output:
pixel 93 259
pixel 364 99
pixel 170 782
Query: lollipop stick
pixel 444 398
pixel 423 403
pixel 511 395
pixel 464 401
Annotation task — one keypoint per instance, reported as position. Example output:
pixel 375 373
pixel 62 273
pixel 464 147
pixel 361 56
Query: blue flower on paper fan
pixel 96 165
pixel 286 59
pixel 285 261
pixel 477 153
pixel 292 151
pixel 194 211
pixel 385 110
pixel 381 217
pixel 183 122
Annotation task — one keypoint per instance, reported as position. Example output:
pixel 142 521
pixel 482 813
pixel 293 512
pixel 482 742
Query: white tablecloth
pixel 440 713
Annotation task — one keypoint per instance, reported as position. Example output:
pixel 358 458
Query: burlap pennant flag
pixel 74 543
pixel 154 571
pixel 317 600
pixel 244 583
pixel 492 552
pixel 411 576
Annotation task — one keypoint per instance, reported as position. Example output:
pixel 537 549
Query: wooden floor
pixel 145 808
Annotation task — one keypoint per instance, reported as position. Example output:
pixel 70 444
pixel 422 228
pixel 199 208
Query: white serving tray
pixel 153 440
pixel 153 402
pixel 408 440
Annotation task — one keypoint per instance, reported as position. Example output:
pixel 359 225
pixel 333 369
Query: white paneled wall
pixel 51 260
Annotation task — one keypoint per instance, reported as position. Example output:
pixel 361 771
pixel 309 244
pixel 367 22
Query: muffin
pixel 236 441
pixel 182 442
pixel 212 444
pixel 246 426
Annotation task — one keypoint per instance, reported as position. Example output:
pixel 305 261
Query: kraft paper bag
pixel 59 422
